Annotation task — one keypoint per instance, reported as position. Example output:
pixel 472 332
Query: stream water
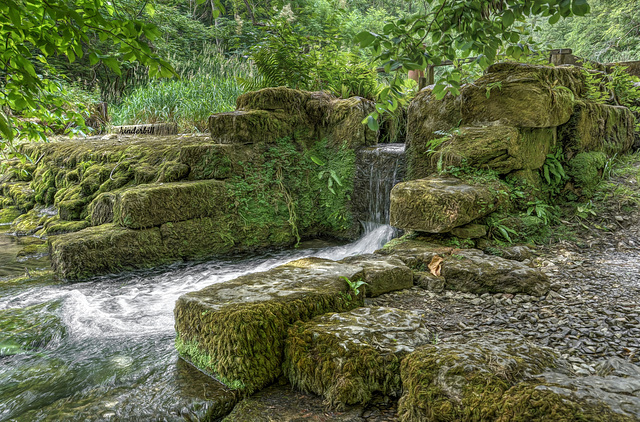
pixel 111 355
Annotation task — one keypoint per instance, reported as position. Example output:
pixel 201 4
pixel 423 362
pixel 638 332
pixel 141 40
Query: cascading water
pixel 113 357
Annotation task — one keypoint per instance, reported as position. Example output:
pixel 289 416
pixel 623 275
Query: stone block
pixel 437 205
pixel 236 330
pixel 383 274
pixel 347 357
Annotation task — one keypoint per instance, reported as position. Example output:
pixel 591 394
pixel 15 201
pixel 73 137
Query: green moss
pixel 236 329
pixel 21 194
pixel 350 356
pixel 101 209
pixel 537 402
pixel 152 205
pixel 56 226
pixel 7 215
pixel 29 328
pixel 172 171
pixel 465 382
pixel 105 249
pixel 29 223
pixel 201 237
pixel 586 170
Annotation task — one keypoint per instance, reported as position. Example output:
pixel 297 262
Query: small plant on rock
pixel 354 286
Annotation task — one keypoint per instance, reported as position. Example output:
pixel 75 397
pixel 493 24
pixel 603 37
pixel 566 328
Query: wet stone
pixel 347 357
pixel 236 330
pixel 383 274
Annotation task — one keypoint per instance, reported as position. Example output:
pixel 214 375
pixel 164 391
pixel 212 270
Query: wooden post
pixel 431 76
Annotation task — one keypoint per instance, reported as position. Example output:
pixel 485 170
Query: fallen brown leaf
pixel 435 265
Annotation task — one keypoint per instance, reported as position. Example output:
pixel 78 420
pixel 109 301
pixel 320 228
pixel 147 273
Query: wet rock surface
pixel 346 357
pixel 382 274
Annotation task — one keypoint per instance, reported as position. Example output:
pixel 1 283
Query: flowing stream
pixel 111 355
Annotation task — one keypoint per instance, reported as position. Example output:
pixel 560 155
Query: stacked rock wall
pixel 260 180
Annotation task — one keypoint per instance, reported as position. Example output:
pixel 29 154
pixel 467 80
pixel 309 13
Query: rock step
pixel 347 357
pixel 236 330
pixel 502 377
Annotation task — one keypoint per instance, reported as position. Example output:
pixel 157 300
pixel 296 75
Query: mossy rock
pixel 472 271
pixel 347 357
pixel 470 231
pixel 585 169
pixel 464 380
pixel 255 126
pixel 236 330
pixel 498 377
pixel 21 194
pixel 383 274
pixel 201 237
pixel 104 249
pixel 29 328
pixel 29 223
pixel 522 96
pixel 101 209
pixel 598 127
pixel 56 226
pixel 7 215
pixel 437 205
pixel 215 161
pixel 503 149
pixel 152 205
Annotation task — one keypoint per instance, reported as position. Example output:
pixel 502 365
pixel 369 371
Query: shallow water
pixel 12 265
pixel 117 360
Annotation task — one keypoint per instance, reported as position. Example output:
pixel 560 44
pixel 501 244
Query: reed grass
pixel 207 84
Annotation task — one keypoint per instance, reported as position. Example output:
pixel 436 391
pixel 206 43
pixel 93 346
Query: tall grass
pixel 207 84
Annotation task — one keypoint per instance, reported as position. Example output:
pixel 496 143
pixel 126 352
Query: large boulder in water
pixel 236 330
pixel 382 274
pixel 437 205
pixel 346 357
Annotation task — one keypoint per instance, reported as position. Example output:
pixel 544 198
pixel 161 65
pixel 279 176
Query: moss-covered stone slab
pixel 216 161
pixel 200 237
pixel 236 330
pixel 248 127
pixel 492 378
pixel 29 328
pixel 152 205
pixel 520 95
pixel 471 270
pixel 383 274
pixel 501 148
pixel 32 221
pixel 106 249
pixel 346 357
pixel 280 403
pixel 437 205
pixel 598 127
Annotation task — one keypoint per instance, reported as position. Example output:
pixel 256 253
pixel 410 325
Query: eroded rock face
pixel 346 357
pixel 236 330
pixel 473 271
pixel 497 378
pixel 382 274
pixel 437 205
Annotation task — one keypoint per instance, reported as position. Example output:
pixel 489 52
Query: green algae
pixel 30 328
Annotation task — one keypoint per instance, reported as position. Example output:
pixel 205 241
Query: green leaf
pixel 365 38
pixel 317 160
pixel 508 18
pixel 554 19
pixel 372 123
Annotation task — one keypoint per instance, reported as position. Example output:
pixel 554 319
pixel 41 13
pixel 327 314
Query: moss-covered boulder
pixel 236 330
pixel 437 205
pixel 493 378
pixel 473 271
pixel 383 274
pixel 346 357
pixel 152 205
pixel 273 113
pixel 106 249
pixel 585 170
pixel 598 127
pixel 29 328
pixel 501 148
pixel 470 231
pixel 521 95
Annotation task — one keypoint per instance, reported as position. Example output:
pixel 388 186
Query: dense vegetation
pixel 54 70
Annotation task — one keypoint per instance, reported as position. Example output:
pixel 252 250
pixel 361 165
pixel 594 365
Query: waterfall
pixel 378 169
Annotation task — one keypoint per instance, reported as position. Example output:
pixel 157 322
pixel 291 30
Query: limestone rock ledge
pixel 437 205
pixel 236 330
pixel 346 357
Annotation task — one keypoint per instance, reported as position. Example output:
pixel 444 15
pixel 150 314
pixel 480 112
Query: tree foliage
pixel 36 32
pixel 454 30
